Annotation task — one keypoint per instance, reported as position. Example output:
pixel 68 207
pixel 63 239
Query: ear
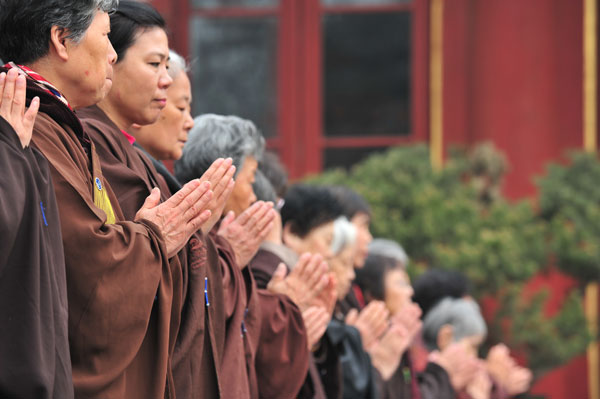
pixel 58 42
pixel 445 336
pixel 291 240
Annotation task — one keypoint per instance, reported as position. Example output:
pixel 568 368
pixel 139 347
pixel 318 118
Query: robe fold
pixel 123 295
pixel 132 176
pixel 34 347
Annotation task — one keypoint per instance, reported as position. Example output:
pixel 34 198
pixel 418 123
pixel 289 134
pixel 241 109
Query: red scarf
pixel 41 82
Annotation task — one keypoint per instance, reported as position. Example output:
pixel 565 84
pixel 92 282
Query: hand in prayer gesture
pixel 304 282
pixel 460 365
pixel 220 175
pixel 371 322
pixel 386 354
pixel 327 297
pixel 480 387
pixel 505 370
pixel 12 105
pixel 246 232
pixel 410 318
pixel 180 216
pixel 315 319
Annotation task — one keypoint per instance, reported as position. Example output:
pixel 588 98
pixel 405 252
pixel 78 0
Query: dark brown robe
pixel 325 361
pixel 132 176
pixel 34 346
pixel 122 291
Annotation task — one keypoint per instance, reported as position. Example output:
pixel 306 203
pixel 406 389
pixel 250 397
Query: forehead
pixel 151 41
pixel 361 218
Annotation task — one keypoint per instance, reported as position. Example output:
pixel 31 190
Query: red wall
pixel 513 75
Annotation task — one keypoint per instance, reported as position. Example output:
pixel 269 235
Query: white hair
pixel 344 234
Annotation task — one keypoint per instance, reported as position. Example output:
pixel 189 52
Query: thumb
pixel 152 200
pixel 352 316
pixel 230 217
pixel 280 272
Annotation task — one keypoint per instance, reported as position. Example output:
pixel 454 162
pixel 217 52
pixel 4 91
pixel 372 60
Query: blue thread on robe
pixel 98 184
pixel 206 291
pixel 43 213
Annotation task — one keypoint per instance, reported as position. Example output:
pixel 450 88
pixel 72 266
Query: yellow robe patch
pixel 102 201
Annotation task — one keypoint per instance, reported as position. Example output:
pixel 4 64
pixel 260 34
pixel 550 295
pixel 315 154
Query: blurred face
pixel 165 139
pixel 89 70
pixel 140 80
pixel 242 195
pixel 362 222
pixel 342 267
pixel 317 241
pixel 398 291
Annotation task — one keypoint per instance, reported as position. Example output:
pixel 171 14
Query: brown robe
pixel 34 346
pixel 132 176
pixel 121 288
pixel 325 361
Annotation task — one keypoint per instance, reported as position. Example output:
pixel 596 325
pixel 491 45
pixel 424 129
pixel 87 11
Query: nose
pixel 165 80
pixel 188 124
pixel 112 54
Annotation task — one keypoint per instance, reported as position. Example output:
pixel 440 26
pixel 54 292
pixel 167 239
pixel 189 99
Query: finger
pixel 212 169
pixel 180 195
pixel 199 206
pixel 151 202
pixel 192 199
pixel 352 317
pixel 194 225
pixel 266 220
pixel 248 213
pixel 9 92
pixel 280 272
pixel 256 219
pixel 18 103
pixel 227 220
pixel 2 82
pixel 222 183
pixel 311 272
pixel 265 232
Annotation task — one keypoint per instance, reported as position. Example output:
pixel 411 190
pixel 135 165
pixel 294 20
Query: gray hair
pixel 177 64
pixel 462 314
pixel 217 136
pixel 389 249
pixel 263 189
pixel 344 234
pixel 25 25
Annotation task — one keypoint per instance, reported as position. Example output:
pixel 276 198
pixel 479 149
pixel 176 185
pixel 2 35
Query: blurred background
pixel 330 82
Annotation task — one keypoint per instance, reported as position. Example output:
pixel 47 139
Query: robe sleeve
pixel 34 352
pixel 434 383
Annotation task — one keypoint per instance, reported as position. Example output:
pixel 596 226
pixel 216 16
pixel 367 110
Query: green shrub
pixel 457 219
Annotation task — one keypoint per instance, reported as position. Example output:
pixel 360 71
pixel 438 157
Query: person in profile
pixel 34 346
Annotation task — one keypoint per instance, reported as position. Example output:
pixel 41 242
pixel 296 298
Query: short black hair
pixel 262 188
pixel 436 284
pixel 371 277
pixel 131 18
pixel 25 25
pixel 351 201
pixel 307 207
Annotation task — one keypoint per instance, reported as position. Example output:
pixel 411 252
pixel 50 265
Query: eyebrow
pixel 162 56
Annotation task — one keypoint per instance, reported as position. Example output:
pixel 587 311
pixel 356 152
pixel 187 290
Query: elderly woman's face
pixel 342 267
pixel 164 139
pixel 398 291
pixel 242 195
pixel 362 223
pixel 140 80
pixel 93 60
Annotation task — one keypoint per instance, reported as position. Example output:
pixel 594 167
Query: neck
pixel 111 111
pixel 52 75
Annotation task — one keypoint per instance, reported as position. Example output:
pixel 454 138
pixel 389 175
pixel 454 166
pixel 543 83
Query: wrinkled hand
pixel 371 322
pixel 460 365
pixel 304 282
pixel 246 232
pixel 480 387
pixel 505 370
pixel 220 176
pixel 180 216
pixel 12 105
pixel 315 319
pixel 386 354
